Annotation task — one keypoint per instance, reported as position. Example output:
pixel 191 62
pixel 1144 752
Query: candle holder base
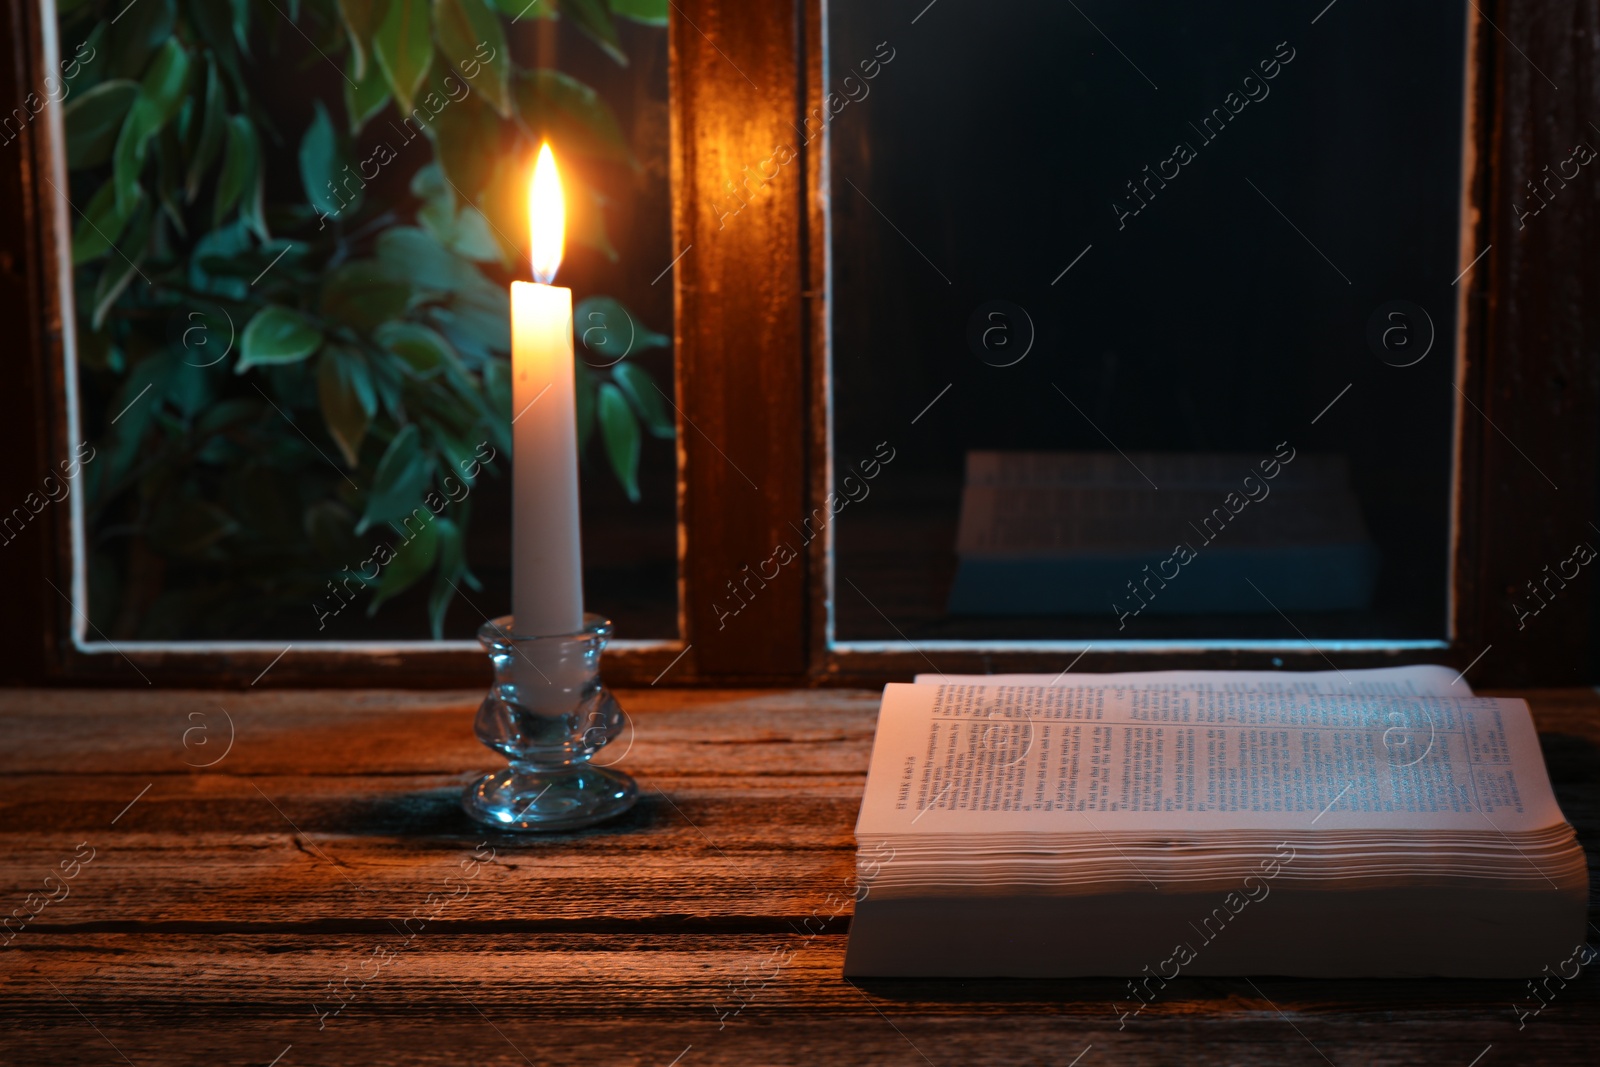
pixel 548 714
pixel 565 799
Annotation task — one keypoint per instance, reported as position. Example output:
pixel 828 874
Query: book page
pixel 986 760
pixel 1419 680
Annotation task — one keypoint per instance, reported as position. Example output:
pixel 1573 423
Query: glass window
pixel 294 229
pixel 1155 305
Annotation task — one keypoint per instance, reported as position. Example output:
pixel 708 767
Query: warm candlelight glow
pixel 547 217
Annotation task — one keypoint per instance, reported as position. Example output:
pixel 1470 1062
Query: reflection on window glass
pixel 1158 312
pixel 294 231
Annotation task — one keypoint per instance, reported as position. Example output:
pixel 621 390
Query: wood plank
pixel 504 1040
pixel 581 999
pixel 389 731
pixel 365 840
pixel 32 429
pixel 711 927
pixel 740 357
pixel 1536 378
pixel 662 976
pixel 368 851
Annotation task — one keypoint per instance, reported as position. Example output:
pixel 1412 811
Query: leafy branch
pixel 286 368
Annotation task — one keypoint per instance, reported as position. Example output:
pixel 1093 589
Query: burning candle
pixel 547 555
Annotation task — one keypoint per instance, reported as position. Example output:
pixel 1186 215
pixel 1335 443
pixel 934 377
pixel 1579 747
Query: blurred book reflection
pixel 1164 533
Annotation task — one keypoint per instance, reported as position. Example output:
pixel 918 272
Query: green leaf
pixel 473 237
pixel 452 569
pixel 213 131
pixel 357 294
pixel 361 21
pixel 403 476
pixel 611 331
pixel 140 29
pixel 241 24
pixel 225 244
pixel 276 336
pixel 94 119
pixel 169 161
pixel 428 184
pixel 466 136
pixel 214 23
pixel 160 96
pixel 620 431
pixel 422 349
pixel 229 415
pixel 121 269
pixel 320 162
pixel 252 205
pixel 591 17
pixel 404 47
pixel 164 86
pixel 240 163
pixel 559 108
pixel 526 9
pixel 456 458
pixel 438 217
pixel 647 400
pixel 365 99
pixel 388 381
pixel 497 390
pixel 480 330
pixel 478 292
pixel 136 403
pixel 471 38
pixel 586 219
pixel 414 555
pixel 497 398
pixel 409 254
pixel 649 12
pixel 102 223
pixel 89 63
pixel 342 408
pixel 194 389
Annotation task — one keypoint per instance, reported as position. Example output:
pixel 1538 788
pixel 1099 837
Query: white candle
pixel 547 553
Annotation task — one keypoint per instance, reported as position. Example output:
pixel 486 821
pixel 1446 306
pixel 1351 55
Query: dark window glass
pixel 1155 304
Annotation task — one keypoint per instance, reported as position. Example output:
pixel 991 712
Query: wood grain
pixel 1535 435
pixel 710 924
pixel 31 434
pixel 1529 447
pixel 741 335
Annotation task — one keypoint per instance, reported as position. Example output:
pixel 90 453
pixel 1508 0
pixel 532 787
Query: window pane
pixel 1156 310
pixel 294 236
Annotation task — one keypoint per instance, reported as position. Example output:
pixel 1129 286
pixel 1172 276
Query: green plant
pixel 285 366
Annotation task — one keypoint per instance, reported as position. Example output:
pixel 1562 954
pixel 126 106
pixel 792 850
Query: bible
pixel 1328 824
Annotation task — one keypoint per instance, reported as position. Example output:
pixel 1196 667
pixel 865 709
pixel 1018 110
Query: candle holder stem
pixel 548 714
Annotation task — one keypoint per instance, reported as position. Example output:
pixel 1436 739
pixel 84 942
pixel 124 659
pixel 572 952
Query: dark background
pixel 996 142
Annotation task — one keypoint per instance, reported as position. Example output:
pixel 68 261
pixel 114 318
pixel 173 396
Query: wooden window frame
pixel 751 365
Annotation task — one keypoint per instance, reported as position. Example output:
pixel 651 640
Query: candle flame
pixel 547 217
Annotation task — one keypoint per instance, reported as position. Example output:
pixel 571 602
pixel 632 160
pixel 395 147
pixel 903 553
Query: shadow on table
pixel 436 813
pixel 1111 996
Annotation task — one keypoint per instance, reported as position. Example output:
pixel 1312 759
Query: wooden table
pixel 315 895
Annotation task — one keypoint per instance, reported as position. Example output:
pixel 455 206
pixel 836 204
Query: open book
pixel 1082 533
pixel 1339 824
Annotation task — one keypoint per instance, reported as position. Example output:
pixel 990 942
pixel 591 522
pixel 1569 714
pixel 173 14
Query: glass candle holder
pixel 548 714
